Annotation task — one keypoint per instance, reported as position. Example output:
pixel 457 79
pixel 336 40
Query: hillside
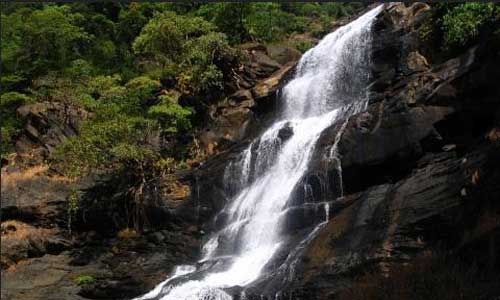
pixel 147 141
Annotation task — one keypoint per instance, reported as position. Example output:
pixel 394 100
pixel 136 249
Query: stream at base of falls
pixel 330 85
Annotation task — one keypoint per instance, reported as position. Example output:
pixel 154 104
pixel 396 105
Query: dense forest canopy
pixel 128 63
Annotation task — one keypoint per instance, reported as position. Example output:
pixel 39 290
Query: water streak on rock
pixel 330 84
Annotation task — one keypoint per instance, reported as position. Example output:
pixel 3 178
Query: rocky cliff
pixel 420 167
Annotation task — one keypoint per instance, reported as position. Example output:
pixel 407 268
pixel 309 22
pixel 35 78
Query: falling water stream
pixel 330 85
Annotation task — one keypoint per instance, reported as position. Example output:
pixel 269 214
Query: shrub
pixel 73 207
pixel 269 22
pixel 84 280
pixel 192 44
pixel 142 87
pixel 104 143
pixel 11 124
pixel 80 69
pixel 171 115
pixel 464 22
pixel 105 86
pixel 12 100
pixel 337 10
pixel 12 82
pixel 303 46
pixel 164 36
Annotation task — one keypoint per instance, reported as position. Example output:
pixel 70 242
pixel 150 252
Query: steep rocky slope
pixel 420 166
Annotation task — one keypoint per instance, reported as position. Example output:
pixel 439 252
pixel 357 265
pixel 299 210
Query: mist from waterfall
pixel 330 84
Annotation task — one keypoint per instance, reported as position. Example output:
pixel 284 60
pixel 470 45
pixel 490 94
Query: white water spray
pixel 330 84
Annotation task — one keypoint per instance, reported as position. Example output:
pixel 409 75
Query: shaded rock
pixel 46 277
pixel 264 62
pixel 119 288
pixel 283 54
pixel 253 47
pixel 48 124
pixel 416 62
pixel 379 134
pixel 285 133
pixel 242 95
pixel 393 222
pixel 21 241
pixel 231 121
pixel 30 187
pixel 269 86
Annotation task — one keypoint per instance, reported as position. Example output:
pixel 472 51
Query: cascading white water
pixel 330 83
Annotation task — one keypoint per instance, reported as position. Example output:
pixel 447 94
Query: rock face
pixel 38 248
pixel 419 165
pixel 257 82
pixel 48 124
pixel 410 163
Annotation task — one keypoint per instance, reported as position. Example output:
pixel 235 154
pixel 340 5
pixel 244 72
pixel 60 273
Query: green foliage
pixel 310 9
pixel 11 81
pixel 12 100
pixel 80 69
pixel 202 62
pixel 142 87
pixel 321 26
pixel 171 115
pixel 106 87
pixel 267 22
pixel 229 18
pixel 192 44
pixel 55 88
pixel 84 280
pixel 109 58
pixel 165 35
pixel 464 22
pixel 104 143
pixel 11 124
pixel 337 10
pixel 130 23
pixel 126 121
pixel 303 46
pixel 73 206
pixel 40 40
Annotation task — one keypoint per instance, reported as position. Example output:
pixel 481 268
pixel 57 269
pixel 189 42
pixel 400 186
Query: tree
pixel 189 48
pixel 229 19
pixel 10 123
pixel 34 42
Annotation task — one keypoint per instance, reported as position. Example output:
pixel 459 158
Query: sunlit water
pixel 329 85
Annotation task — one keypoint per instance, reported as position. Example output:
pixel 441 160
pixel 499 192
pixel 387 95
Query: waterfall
pixel 330 84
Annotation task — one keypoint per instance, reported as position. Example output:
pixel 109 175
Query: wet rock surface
pixel 419 167
pixel 409 164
